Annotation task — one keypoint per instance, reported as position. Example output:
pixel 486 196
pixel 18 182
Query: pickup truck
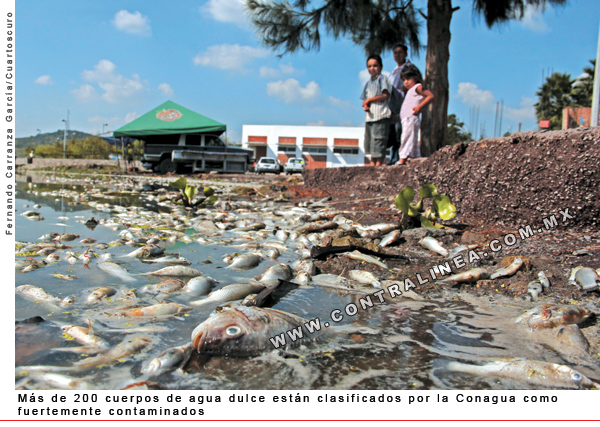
pixel 294 165
pixel 195 153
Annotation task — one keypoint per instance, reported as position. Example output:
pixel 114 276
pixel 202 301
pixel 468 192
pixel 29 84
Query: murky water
pixel 409 343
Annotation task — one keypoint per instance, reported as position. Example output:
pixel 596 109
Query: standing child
pixel 415 100
pixel 377 122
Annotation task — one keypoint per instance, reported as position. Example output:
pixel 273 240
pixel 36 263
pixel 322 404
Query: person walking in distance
pixel 400 52
pixel 415 100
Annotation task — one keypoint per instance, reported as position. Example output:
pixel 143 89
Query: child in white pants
pixel 415 100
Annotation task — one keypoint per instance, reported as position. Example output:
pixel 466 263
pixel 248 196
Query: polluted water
pixel 118 283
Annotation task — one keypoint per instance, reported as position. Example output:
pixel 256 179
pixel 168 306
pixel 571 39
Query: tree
pixel 456 131
pixel 583 88
pixel 377 25
pixel 553 97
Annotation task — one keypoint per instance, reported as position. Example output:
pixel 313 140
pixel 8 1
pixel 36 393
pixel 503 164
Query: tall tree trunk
pixel 435 117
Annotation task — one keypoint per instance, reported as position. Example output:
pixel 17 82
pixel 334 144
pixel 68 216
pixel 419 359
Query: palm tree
pixel 378 25
pixel 583 87
pixel 554 96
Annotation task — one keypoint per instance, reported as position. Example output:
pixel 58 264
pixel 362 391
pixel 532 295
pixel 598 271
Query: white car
pixel 294 165
pixel 268 164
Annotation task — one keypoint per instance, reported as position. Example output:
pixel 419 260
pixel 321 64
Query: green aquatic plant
pixel 441 205
pixel 189 191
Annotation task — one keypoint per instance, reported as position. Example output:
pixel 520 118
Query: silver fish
pixel 302 278
pixel 86 336
pixel 390 238
pixel 365 277
pixel 543 279
pixel 177 270
pixel 433 245
pixel 115 354
pixel 198 286
pixel 168 359
pixel 586 278
pixel 359 256
pixel 34 293
pixel 245 262
pixel 116 270
pixel 573 341
pixel 246 331
pixel 58 381
pixel 230 293
pixel 274 273
pixel 168 286
pixel 508 270
pixel 100 293
pixel 532 372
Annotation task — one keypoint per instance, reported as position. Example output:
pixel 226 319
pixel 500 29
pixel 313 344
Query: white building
pixel 319 146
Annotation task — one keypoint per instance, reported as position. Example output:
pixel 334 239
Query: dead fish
pixel 573 341
pixel 390 238
pixel 230 293
pixel 48 237
pixel 115 354
pixel 198 286
pixel 274 273
pixel 551 315
pixel 147 251
pixel 86 336
pixel 302 278
pixel 533 372
pixel 52 258
pixel 58 381
pixel 534 289
pixel 168 286
pixel 67 237
pixel 365 277
pixel 305 265
pixel 508 270
pixel 359 256
pixel 433 245
pixel 100 293
pixel 543 279
pixel 169 260
pixel 246 331
pixel 168 359
pixel 116 271
pixel 316 226
pixel 470 276
pixel 64 276
pixel 245 262
pixel 586 278
pixel 460 248
pixel 88 241
pixel 163 309
pixel 37 294
pixel 177 270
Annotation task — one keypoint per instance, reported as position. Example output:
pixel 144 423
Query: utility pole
pixel 65 136
pixel 596 93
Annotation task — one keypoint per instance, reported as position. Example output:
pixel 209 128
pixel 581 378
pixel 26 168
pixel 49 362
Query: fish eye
pixel 576 376
pixel 233 331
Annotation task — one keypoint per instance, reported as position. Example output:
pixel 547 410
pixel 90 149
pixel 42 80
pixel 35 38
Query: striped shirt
pixel 375 86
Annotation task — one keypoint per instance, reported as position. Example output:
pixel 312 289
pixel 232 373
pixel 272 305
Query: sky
pixel 103 64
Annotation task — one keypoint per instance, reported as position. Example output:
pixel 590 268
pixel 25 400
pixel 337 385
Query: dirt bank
pixel 506 182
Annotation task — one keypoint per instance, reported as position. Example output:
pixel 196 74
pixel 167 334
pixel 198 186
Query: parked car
pixel 268 164
pixel 294 165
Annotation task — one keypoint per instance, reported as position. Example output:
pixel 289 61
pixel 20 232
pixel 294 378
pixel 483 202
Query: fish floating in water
pixel 533 372
pixel 116 271
pixel 230 293
pixel 551 315
pixel 244 331
pixel 176 270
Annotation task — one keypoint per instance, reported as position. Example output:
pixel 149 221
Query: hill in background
pixel 23 145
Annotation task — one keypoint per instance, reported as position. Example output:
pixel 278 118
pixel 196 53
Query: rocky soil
pixel 498 186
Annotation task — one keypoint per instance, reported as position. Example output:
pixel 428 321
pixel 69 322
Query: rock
pixel 469 238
